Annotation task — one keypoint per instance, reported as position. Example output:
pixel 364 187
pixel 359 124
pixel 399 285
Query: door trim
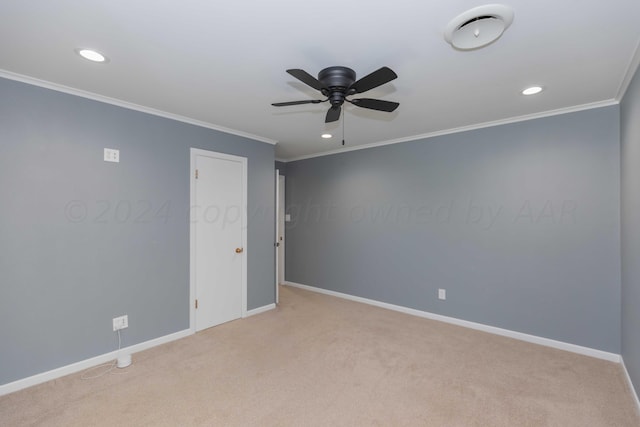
pixel 277 237
pixel 194 152
pixel 282 182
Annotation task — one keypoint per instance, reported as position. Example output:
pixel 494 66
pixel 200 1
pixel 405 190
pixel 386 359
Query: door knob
pixel 239 250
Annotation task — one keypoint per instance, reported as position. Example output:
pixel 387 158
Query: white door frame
pixel 280 231
pixel 282 225
pixel 277 237
pixel 192 229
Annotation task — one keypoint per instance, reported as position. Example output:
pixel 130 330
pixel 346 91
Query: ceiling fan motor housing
pixel 337 83
pixel 337 80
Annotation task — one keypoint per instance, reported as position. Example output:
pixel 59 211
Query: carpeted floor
pixel 322 361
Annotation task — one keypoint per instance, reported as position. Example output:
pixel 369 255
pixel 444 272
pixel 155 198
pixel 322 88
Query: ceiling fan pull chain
pixel 343 118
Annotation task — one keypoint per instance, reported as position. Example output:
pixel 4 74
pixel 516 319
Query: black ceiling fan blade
pixel 373 80
pixel 333 114
pixel 285 104
pixel 306 78
pixel 375 104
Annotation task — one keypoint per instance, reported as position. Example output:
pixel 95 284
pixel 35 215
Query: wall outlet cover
pixel 121 322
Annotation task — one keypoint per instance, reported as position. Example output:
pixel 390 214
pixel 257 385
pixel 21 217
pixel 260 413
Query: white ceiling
pixel 222 64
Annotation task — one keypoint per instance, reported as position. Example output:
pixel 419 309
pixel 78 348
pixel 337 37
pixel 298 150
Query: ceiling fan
pixel 336 83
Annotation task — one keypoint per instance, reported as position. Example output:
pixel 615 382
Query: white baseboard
pixel 88 363
pixel 260 310
pixel 633 390
pixel 612 357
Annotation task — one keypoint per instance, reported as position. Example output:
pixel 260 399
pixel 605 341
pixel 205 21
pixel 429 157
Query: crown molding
pixel 634 63
pixel 549 113
pixel 633 66
pixel 128 105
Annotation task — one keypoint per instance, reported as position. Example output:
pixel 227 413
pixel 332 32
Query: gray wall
pixel 282 167
pixel 83 241
pixel 630 153
pixel 520 223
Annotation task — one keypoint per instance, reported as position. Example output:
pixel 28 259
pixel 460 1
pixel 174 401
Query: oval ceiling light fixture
pixel 479 26
pixel 532 90
pixel 91 55
pixel 326 135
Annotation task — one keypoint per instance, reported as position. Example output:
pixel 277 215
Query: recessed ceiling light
pixel 326 135
pixel 91 55
pixel 532 90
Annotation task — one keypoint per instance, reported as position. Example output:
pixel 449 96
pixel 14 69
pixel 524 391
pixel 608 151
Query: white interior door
pixel 218 240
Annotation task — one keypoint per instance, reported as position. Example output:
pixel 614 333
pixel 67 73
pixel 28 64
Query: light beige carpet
pixel 322 361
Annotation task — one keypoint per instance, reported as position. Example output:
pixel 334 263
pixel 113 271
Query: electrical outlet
pixel 111 155
pixel 442 294
pixel 121 322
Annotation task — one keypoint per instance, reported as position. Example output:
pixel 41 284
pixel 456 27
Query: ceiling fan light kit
pixel 479 26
